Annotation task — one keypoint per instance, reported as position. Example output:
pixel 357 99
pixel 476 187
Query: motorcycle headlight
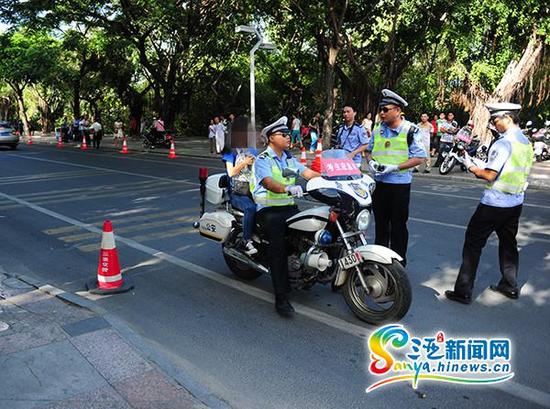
pixel 362 220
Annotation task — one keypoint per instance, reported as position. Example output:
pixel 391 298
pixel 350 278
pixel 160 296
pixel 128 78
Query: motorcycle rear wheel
pixel 447 165
pixel 388 283
pixel 241 270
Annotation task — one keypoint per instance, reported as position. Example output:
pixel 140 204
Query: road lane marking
pixel 458 226
pixel 319 316
pixel 539 206
pixel 518 390
pixel 122 172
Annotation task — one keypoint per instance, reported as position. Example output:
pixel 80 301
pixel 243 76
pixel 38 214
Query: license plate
pixel 351 260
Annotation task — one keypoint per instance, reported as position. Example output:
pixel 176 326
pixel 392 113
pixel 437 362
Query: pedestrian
pixel 295 136
pixel 75 129
pixel 351 136
pixel 437 139
pixel 315 132
pixel 426 131
pixel 219 136
pixel 434 141
pixel 395 147
pixel 509 162
pixel 274 196
pixel 448 128
pixel 159 129
pixel 83 128
pixel 133 127
pixel 212 135
pixel 97 133
pixel 65 130
pixel 142 125
pixel 118 133
pixel 367 124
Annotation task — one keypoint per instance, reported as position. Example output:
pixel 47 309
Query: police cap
pixel 390 97
pixel 502 108
pixel 280 125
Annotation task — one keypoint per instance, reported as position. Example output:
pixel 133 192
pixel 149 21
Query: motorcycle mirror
pixel 287 173
pixel 528 124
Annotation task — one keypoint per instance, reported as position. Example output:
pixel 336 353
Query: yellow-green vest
pixel 268 198
pixel 391 151
pixel 514 174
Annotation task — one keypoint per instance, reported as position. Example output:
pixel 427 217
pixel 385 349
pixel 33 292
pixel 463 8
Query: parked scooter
pixel 326 244
pixel 156 139
pixel 541 140
pixel 463 142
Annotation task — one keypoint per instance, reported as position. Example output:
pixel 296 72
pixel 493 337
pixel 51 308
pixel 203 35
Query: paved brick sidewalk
pixel 56 355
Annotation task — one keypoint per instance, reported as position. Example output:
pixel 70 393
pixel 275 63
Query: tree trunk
pixel 76 99
pixel 21 106
pixel 331 92
pixel 473 97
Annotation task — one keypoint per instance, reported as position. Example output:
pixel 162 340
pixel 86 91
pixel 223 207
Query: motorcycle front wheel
pixel 389 296
pixel 447 165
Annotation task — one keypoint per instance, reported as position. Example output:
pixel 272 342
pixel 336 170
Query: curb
pixel 134 339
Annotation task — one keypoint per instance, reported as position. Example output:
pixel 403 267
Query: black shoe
pixel 415 170
pixel 453 296
pixel 426 171
pixel 513 294
pixel 283 307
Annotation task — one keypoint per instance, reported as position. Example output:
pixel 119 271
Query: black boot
pixel 283 306
pixel 454 296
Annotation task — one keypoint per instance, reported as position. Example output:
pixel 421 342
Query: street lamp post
pixel 259 44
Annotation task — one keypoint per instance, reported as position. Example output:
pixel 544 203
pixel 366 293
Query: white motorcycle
pixel 326 244
pixel 463 142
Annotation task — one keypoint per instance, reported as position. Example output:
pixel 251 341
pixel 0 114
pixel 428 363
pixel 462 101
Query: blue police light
pixel 323 237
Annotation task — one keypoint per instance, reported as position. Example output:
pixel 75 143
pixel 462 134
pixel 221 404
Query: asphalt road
pixel 224 333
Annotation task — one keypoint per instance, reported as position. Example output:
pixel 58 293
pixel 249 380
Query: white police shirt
pixel 499 153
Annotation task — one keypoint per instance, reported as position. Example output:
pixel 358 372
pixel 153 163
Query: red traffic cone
pixel 83 146
pixel 316 164
pixel 60 142
pixel 29 141
pixel 124 146
pixel 109 278
pixel 303 157
pixel 172 154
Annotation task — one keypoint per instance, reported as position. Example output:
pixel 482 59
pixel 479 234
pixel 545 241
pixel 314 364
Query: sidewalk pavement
pixel 199 147
pixel 56 355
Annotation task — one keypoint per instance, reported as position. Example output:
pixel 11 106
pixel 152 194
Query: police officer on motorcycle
pixel 507 169
pixel 274 196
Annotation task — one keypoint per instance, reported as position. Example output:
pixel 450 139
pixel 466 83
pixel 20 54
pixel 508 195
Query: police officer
pixel 394 149
pixel 506 171
pixel 351 136
pixel 274 196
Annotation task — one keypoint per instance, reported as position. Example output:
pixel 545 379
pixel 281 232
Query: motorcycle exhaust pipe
pixel 317 261
pixel 245 260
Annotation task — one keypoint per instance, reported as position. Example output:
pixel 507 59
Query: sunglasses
pixel 386 109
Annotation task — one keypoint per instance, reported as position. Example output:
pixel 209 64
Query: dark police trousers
pixel 272 220
pixel 391 212
pixel 488 219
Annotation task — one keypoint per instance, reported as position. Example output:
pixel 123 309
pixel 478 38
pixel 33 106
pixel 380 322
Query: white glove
pixel 468 161
pixel 295 190
pixel 373 165
pixel 388 169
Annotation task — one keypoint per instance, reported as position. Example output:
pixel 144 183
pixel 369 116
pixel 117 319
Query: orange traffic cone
pixel 109 278
pixel 303 157
pixel 60 143
pixel 29 141
pixel 83 146
pixel 316 164
pixel 172 154
pixel 124 146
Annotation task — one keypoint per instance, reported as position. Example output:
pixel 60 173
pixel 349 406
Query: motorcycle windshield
pixel 335 165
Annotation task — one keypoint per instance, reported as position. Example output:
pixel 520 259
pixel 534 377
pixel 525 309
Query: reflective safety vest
pixel 391 151
pixel 514 174
pixel 268 198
